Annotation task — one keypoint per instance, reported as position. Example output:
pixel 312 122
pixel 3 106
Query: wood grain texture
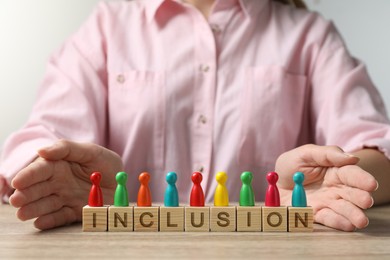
pixel 249 219
pixel 274 219
pixel 120 219
pixel 172 219
pixel 146 219
pixel 94 219
pixel 223 219
pixel 300 219
pixel 197 219
pixel 21 240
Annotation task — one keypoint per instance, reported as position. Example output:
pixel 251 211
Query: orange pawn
pixel 144 195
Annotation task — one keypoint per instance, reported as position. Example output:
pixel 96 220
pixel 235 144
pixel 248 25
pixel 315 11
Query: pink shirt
pixel 169 90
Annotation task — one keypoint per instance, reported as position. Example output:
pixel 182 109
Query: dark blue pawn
pixel 298 193
pixel 171 198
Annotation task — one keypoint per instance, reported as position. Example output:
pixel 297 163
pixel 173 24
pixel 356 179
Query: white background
pixel 31 29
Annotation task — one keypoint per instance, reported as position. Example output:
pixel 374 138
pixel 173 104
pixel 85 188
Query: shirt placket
pixel 205 84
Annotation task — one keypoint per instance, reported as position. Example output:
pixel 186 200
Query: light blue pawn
pixel 298 193
pixel 171 198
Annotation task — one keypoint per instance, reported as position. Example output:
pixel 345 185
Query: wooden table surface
pixel 22 240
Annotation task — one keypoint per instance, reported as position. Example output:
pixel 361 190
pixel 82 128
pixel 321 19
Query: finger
pixel 63 216
pixel 328 217
pixel 38 208
pixel 36 172
pixel 360 198
pixel 354 176
pixel 31 194
pixel 349 211
pixel 70 151
pixel 326 156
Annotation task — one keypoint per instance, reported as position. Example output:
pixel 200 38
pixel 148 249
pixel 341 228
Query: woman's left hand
pixel 336 188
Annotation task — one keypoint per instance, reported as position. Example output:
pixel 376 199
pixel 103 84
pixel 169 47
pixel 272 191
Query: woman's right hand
pixel 54 188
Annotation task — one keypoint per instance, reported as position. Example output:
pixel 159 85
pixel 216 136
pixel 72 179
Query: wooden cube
pixel 146 219
pixel 197 219
pixel 223 219
pixel 120 219
pixel 300 219
pixel 171 219
pixel 249 219
pixel 274 219
pixel 94 219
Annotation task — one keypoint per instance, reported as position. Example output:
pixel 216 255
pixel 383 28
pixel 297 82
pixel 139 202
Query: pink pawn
pixel 95 195
pixel 197 195
pixel 272 198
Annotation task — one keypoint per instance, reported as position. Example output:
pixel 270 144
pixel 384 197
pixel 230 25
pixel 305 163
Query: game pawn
pixel 197 194
pixel 247 195
pixel 248 215
pixel 197 215
pixel 95 195
pixel 171 198
pixel 146 217
pixel 300 215
pixel 274 216
pixel 95 214
pixel 222 217
pixel 171 214
pixel 121 198
pixel 298 193
pixel 272 198
pixel 120 215
pixel 221 196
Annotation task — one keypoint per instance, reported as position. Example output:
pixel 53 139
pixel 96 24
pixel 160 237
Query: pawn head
pixel 246 177
pixel 272 177
pixel 171 177
pixel 96 177
pixel 298 177
pixel 144 177
pixel 196 177
pixel 121 178
pixel 221 177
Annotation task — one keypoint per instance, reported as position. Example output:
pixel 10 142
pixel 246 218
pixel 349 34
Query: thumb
pixel 69 151
pixel 326 156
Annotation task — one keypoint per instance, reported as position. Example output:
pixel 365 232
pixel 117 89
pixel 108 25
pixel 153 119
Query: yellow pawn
pixel 221 195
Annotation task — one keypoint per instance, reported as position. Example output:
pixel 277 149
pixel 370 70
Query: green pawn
pixel 247 196
pixel 121 198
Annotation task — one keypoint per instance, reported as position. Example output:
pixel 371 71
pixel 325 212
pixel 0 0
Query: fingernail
pixel 372 204
pixel 368 222
pixel 377 186
pixel 10 200
pixel 349 155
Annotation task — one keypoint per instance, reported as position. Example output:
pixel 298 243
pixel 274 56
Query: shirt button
pixel 215 28
pixel 204 68
pixel 202 119
pixel 120 78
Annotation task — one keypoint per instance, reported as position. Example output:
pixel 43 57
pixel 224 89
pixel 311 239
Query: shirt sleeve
pixel 347 109
pixel 71 100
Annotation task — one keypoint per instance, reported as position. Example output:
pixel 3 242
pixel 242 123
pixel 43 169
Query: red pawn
pixel 197 195
pixel 144 195
pixel 95 195
pixel 272 198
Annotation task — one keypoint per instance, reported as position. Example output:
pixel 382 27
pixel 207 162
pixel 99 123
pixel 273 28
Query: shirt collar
pixel 249 7
pixel 152 7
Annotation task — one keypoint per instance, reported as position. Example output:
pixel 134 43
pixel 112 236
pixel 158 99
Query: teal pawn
pixel 247 196
pixel 298 193
pixel 121 198
pixel 171 198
